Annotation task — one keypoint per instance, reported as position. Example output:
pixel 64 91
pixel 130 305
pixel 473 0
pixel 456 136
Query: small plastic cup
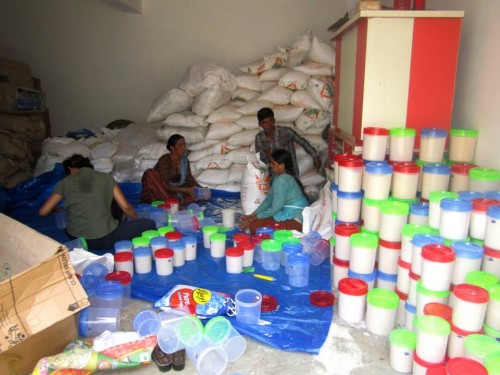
pixel 125 279
pixel 248 304
pixel 123 246
pixel 207 232
pixel 191 244
pixel 188 224
pixel 271 255
pixel 124 261
pixel 94 320
pixel 164 262
pixel 298 270
pixel 402 345
pixel 207 358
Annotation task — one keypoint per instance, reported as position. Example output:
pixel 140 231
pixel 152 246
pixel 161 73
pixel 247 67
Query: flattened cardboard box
pixel 39 295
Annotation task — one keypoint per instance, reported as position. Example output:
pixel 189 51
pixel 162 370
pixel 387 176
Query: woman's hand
pixel 246 220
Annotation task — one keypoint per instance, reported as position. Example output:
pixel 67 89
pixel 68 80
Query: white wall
pixel 98 64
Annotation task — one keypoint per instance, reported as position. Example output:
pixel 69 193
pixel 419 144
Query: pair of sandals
pixel 165 362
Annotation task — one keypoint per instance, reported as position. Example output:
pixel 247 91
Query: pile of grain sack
pixel 216 111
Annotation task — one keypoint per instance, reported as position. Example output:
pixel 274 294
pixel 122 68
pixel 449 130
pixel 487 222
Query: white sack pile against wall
pixel 216 112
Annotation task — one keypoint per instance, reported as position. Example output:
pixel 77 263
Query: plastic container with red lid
pixel 352 299
pixel 343 233
pixel 464 366
pixel 375 143
pixel 321 298
pixel 438 309
pixel 240 237
pixel 469 307
pixel 405 180
pixel 124 278
pixel 173 236
pixel 269 303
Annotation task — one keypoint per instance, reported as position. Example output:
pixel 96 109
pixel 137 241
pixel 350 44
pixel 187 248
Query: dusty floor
pixel 347 350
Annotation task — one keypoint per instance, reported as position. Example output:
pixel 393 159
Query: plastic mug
pixel 220 332
pixel 207 358
pixel 248 304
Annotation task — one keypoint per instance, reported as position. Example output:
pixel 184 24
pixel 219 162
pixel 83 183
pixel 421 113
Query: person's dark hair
pixel 282 156
pixel 264 113
pixel 172 141
pixel 76 161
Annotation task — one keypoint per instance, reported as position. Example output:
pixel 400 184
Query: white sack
pixel 154 151
pixel 185 119
pixel 102 150
pixel 248 122
pixel 213 176
pixel 322 90
pixel 236 173
pixel 317 217
pixel 226 113
pixel 245 94
pixel 229 187
pixel 64 147
pixel 191 135
pixel 276 95
pixel 311 178
pixel 313 118
pixel 173 100
pixel 294 80
pixel 286 113
pixel 254 106
pixel 209 100
pixel 273 74
pixel 242 138
pixel 136 136
pixel 216 161
pixel 248 81
pixel 267 85
pixel 203 145
pixel 315 69
pixel 255 67
pixel 222 130
pixel 298 51
pixel 322 52
pixel 104 165
pixel 195 156
pixel 254 185
pixel 239 155
pixel 203 76
pixel 303 99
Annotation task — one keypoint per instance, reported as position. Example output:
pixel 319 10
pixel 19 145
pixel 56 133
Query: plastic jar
pixel 386 280
pixel 343 233
pixel 217 245
pixel 435 198
pixel 492 233
pixel 459 179
pixel 190 246
pixel 484 179
pixel 149 234
pixel 271 255
pixel 402 345
pixel 459 366
pixel 282 235
pixel 124 262
pixel 375 143
pixel 393 216
pixel 482 279
pixel 435 176
pixel 432 143
pixel 162 231
pixel 334 190
pixel 491 261
pixel 108 295
pixel 381 311
pixel 125 279
pixel 350 175
pixel 158 243
pixel 419 213
pixel 401 144
pixel 377 178
pixel 462 145
pixel 455 218
pixel 400 314
pixel 125 246
pixel 257 248
pixel 419 241
pixel 412 290
pixel 370 213
pixel 248 251
pixel 352 299
pixel 140 242
pixel 469 310
pixel 405 180
pixel 234 260
pixel 288 248
pixel 298 269
pixel 456 341
pixel 432 338
pixel 349 206
pixel 468 258
pixel 438 309
pixel 207 232
pixel 426 296
pixel 437 267
pixel 164 262
pixel 492 332
pixel 340 269
pixel 173 236
pixel 363 253
pixel 420 367
pixel 478 221
pixel 478 347
pixel 388 255
pixel 492 317
pixel 179 249
pixel 143 259
pixel 336 159
pixel 410 230
pixel 240 237
pixel 403 280
pixel 369 278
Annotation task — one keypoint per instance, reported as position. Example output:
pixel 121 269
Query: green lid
pixel 434 325
pixel 463 132
pixel 435 231
pixel 404 338
pixel 164 230
pixel 84 243
pixel 271 245
pixel 395 208
pixel 210 229
pixel 334 216
pixel 217 237
pixel 402 132
pixel 427 292
pixel 409 230
pixel 479 242
pixel 218 329
pixel 282 235
pixel 140 241
pixel 482 279
pixel 368 231
pixel 332 241
pixel 383 298
pixel 420 163
pixel 293 239
pixel 404 200
pixel 492 364
pixel 157 203
pixel 364 240
pixel 223 229
pixel 437 195
pixel 481 345
pixel 495 333
pixel 190 330
pixel 373 202
pixel 484 174
pixel 150 234
pixel 494 292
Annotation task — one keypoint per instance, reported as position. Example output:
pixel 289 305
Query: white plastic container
pixel 405 180
pixel 340 269
pixel 350 175
pixel 143 259
pixel 217 245
pixel 343 233
pixel 410 230
pixel 435 176
pixel 462 145
pixel 124 261
pixel 437 267
pixel 207 232
pixel 375 142
pixel 419 241
pixel 234 260
pixel 403 281
pixel 419 213
pixel 468 258
pixel 370 213
pixel 402 345
pixel 412 291
pixel 491 261
pixel 479 346
pixel 382 305
pixel 363 253
pixel 401 143
pixel 484 179
pixel 334 190
pixel 435 198
pixel 394 216
pixel 432 338
pixel 248 250
pixel 123 246
pixel 492 317
pixel 469 307
pixel 369 278
pixel 336 160
pixel 425 296
pixel 164 262
pixel 386 280
pixel 401 313
pixel 190 246
pixel 388 255
pixel 455 219
pixel 420 366
pixel 459 179
pixel 352 299
pixel 377 178
pixel 179 253
pixel 492 234
pixel 456 342
pixel 432 143
pixel 349 206
pixel 478 219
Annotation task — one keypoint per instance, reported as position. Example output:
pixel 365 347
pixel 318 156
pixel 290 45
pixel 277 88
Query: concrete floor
pixel 347 350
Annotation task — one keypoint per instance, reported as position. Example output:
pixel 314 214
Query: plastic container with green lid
pixel 370 213
pixel 282 235
pixel 382 305
pixel 402 344
pixel 410 230
pixel 492 317
pixel 478 347
pixel 482 279
pixel 164 230
pixel 140 241
pixel 217 329
pixel 218 245
pixel 492 364
pixel 150 234
pixel 432 338
pixel 462 145
pixel 401 143
pixel 207 232
pixel 495 333
pixel 435 198
pixel 484 179
pixel 393 216
pixel 271 254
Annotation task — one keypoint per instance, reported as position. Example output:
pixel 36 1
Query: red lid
pixel 437 370
pixel 172 201
pixel 123 277
pixel 482 204
pixel 465 366
pixel 413 275
pixel 173 236
pixel 389 244
pixel 259 237
pixel 351 163
pixel 124 256
pixel 321 298
pixel 425 364
pixel 165 206
pixel 339 157
pixel 234 252
pixel 404 264
pixel 346 229
pixel 269 303
pixel 402 296
pixel 405 167
pixel 438 253
pixel 164 253
pixel 438 309
pixel 340 262
pixel 375 131
pixel 238 237
pixel 353 286
pixel 488 251
pixel 245 245
pixel 461 168
pixel 471 293
pixel 462 332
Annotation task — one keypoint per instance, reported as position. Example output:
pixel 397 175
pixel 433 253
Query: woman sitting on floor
pixel 95 205
pixel 284 202
pixel 171 176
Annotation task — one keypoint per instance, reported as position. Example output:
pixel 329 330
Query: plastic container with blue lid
pixel 435 176
pixel 95 320
pixel 492 194
pixel 369 278
pixel 109 295
pixel 124 245
pixel 349 206
pixel 386 280
pixel 419 213
pixel 420 240
pixel 469 256
pixel 455 218
pixel 377 180
pixel 89 284
pixel 143 259
pixel 432 144
pixel 492 235
pixel 470 195
pixel 99 270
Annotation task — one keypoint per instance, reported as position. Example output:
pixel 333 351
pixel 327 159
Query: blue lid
pixel 97 269
pixel 334 187
pixel 378 168
pixel 410 308
pixel 466 249
pixel 124 244
pixel 298 258
pixel 433 132
pixel 189 240
pixel 421 239
pixel 82 322
pixel 387 276
pixel 110 290
pixel 143 251
pixel 337 221
pixel 419 208
pixel 347 195
pixel 493 212
pixel 368 277
pixel 492 194
pixel 265 230
pixel 177 245
pixel 456 204
pixel 437 168
pixel 291 247
pixel 469 195
pixel 89 284
pixel 158 241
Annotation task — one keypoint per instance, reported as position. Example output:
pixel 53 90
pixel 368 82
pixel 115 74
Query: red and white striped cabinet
pixel 395 69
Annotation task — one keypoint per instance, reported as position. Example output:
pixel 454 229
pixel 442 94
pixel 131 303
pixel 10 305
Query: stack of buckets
pixel 417 244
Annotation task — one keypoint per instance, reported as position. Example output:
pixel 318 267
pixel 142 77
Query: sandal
pixel 162 359
pixel 179 360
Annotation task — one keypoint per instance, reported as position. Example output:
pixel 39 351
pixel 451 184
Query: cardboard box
pixel 39 296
